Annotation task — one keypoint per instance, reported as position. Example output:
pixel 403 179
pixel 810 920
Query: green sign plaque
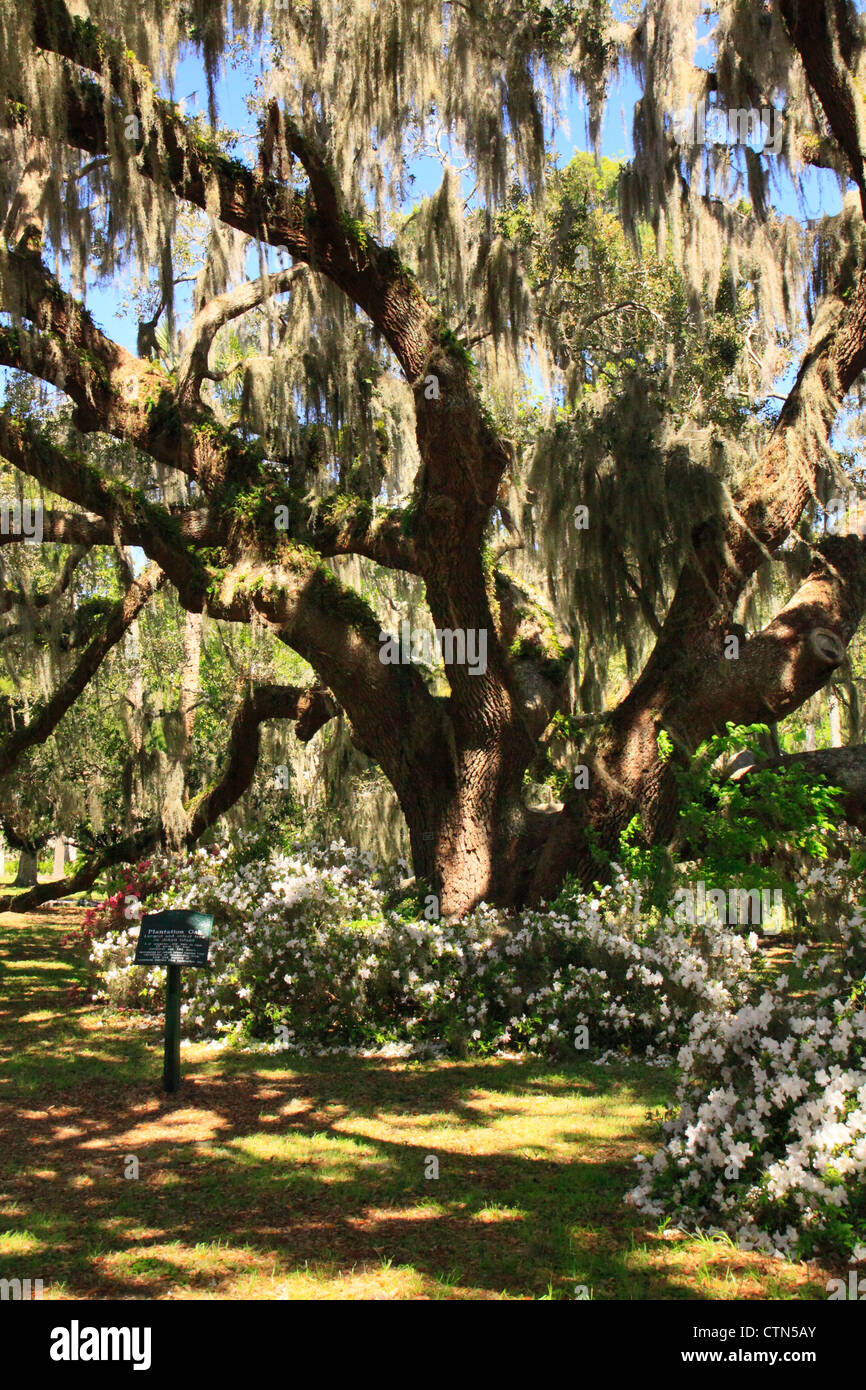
pixel 174 939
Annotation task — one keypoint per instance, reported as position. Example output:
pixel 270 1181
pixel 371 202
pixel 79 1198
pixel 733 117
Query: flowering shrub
pixel 109 930
pixel 767 1141
pixel 307 949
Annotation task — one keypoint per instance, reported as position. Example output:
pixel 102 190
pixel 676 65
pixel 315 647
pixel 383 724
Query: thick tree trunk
pixel 59 857
pixel 27 868
pixel 465 830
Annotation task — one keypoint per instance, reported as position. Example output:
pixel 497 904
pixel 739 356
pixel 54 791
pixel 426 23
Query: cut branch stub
pixel 827 647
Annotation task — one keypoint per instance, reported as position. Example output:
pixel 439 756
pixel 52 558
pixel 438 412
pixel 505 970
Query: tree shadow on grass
pixel 273 1165
pixel 290 1168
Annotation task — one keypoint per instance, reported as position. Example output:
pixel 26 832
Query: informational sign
pixel 174 938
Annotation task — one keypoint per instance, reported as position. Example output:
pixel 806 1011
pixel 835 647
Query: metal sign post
pixel 171 1065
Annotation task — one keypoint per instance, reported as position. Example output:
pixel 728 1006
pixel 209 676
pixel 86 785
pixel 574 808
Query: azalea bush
pixel 313 948
pixel 767 1139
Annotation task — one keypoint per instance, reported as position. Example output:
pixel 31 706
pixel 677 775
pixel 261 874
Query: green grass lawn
pixel 272 1179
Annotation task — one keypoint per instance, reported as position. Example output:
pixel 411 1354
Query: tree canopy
pixel 587 411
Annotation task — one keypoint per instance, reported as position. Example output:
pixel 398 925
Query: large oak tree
pixel 381 424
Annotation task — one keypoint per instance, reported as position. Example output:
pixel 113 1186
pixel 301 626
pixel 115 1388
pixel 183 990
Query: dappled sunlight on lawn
pixel 270 1178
